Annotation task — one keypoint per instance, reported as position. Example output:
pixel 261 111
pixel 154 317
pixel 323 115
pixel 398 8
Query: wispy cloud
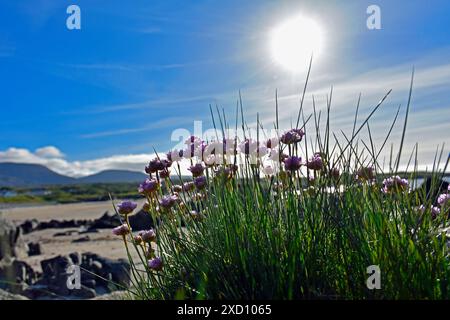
pixel 172 122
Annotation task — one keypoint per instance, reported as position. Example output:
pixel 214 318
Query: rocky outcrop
pixel 34 249
pixel 106 221
pixel 11 243
pixel 98 275
pixel 16 275
pixel 141 221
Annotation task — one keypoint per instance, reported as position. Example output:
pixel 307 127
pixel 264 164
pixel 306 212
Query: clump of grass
pixel 306 227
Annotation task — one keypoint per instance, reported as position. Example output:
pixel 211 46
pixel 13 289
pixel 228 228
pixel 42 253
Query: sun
pixel 294 41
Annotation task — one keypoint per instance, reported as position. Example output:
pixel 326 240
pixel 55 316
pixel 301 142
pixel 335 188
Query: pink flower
pixel 394 183
pixel 292 163
pixel 197 170
pixel 315 163
pixel 200 182
pixel 122 230
pixel 126 207
pixel 443 199
pixel 155 264
pixel 188 186
pixel 164 174
pixel 148 186
pixel 292 136
pixel 148 235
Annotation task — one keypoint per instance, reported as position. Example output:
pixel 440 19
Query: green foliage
pixel 284 237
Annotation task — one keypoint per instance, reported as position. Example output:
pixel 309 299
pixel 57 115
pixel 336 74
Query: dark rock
pixel 106 221
pixel 34 249
pixel 141 221
pixel 90 283
pixel 16 276
pixel 64 233
pixel 84 292
pixel 29 226
pixel 64 224
pixel 116 271
pixel 82 239
pixel 75 257
pixel 55 274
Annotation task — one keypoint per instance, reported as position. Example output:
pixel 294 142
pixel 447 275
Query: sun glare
pixel 293 42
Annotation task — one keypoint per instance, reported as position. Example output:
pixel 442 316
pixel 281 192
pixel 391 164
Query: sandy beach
pixel 53 243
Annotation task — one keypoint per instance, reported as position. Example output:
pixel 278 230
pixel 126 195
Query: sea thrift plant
pixel 258 223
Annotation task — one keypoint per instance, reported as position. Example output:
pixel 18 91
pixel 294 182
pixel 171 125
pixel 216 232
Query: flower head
pixel 197 169
pixel 315 163
pixel 155 264
pixel 292 163
pixel 394 183
pixel 122 230
pixel 292 136
pixel 148 235
pixel 200 182
pixel 188 186
pixel 154 166
pixel 168 201
pixel 164 174
pixel 443 199
pixel 126 207
pixel 148 186
pixel 435 211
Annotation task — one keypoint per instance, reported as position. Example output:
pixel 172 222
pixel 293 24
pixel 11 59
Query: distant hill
pixel 113 176
pixel 24 175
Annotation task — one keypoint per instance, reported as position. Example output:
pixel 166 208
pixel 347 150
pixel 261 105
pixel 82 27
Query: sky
pixel 106 96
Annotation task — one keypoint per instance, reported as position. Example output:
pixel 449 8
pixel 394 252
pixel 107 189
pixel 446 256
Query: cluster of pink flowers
pixel 394 184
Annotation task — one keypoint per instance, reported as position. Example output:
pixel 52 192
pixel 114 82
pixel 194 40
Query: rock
pixel 116 295
pixel 5 295
pixel 84 292
pixel 34 249
pixel 29 226
pixel 64 224
pixel 106 221
pixel 16 275
pixel 97 275
pixel 55 274
pixel 116 271
pixel 82 239
pixel 141 221
pixel 11 243
pixel 64 233
pixel 75 257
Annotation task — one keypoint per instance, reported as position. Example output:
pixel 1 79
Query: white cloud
pixel 49 152
pixel 53 158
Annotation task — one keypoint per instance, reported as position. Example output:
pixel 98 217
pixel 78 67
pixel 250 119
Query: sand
pixel 101 242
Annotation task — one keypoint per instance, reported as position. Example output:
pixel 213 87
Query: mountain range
pixel 23 175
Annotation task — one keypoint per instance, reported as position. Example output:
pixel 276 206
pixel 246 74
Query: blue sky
pixel 80 101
